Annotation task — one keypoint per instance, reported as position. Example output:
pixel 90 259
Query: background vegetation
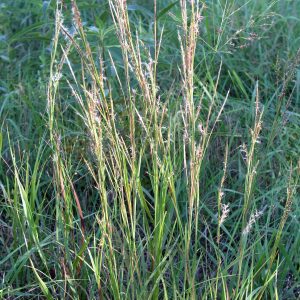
pixel 149 149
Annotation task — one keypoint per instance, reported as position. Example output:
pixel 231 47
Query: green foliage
pixel 149 151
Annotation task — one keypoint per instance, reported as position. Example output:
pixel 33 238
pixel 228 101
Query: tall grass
pixel 152 180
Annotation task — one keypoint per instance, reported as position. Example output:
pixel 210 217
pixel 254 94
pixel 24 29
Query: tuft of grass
pixel 151 151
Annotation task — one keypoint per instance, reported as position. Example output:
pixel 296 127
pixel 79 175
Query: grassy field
pixel 150 149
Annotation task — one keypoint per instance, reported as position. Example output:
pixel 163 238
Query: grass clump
pixel 153 152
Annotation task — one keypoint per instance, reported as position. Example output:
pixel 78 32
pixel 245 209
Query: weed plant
pixel 149 150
